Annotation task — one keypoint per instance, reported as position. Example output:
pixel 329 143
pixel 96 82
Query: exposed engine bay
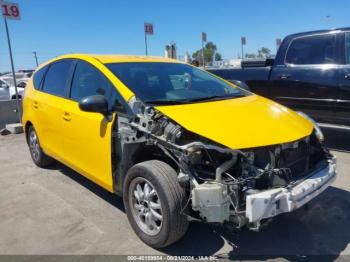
pixel 219 180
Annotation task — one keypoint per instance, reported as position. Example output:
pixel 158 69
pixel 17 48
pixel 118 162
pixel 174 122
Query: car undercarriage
pixel 224 185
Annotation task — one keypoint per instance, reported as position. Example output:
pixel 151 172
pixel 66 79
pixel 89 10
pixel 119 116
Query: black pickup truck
pixel 311 73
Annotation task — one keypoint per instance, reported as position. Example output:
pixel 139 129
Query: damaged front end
pixel 239 187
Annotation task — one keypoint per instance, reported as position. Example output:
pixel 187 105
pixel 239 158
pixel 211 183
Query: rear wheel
pixel 36 152
pixel 153 201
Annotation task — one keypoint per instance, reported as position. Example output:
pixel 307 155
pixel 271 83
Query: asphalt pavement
pixel 56 211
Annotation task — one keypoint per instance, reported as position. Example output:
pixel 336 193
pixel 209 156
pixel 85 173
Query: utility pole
pixel 36 58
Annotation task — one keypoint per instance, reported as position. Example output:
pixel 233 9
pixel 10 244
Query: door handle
pixel 347 77
pixel 66 116
pixel 35 104
pixel 284 77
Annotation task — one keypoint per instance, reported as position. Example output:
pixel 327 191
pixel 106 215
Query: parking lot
pixel 57 211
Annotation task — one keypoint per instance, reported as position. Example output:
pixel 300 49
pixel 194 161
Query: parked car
pixel 310 73
pixel 7 88
pixel 176 142
pixel 21 74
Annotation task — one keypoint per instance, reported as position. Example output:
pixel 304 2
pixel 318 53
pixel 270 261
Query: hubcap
pixel 34 145
pixel 145 206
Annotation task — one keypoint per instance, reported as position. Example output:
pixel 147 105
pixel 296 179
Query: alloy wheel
pixel 34 145
pixel 145 206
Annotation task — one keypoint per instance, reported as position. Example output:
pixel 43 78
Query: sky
pixel 53 28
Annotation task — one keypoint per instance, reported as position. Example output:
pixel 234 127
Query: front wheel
pixel 154 201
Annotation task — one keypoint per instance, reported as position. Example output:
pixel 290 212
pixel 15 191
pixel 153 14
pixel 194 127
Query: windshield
pixel 171 83
pixel 8 81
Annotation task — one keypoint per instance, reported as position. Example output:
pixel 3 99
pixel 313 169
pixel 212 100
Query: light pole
pixel 146 44
pixel 19 113
pixel 204 39
pixel 243 42
pixel 36 58
pixel 203 60
pixel 148 28
pixel 11 11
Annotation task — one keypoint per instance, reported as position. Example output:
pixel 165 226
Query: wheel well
pixel 26 128
pixel 132 155
pixel 152 153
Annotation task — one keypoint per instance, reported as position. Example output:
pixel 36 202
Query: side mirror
pixel 240 84
pixel 95 104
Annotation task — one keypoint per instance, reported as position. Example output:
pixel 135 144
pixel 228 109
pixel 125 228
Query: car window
pixel 317 49
pixel 38 76
pixel 56 78
pixel 88 81
pixel 347 47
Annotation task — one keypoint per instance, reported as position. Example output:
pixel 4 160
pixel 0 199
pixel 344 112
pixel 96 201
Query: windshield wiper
pixel 186 101
pixel 211 98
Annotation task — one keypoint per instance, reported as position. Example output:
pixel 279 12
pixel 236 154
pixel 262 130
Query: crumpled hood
pixel 238 123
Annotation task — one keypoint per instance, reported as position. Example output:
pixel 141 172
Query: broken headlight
pixel 318 131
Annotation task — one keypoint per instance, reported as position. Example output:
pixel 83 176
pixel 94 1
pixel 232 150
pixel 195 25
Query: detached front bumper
pixel 281 200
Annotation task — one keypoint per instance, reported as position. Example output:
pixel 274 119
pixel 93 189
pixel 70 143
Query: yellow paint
pixel 239 123
pixel 84 141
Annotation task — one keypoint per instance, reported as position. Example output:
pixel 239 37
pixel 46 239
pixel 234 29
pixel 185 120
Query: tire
pixel 14 97
pixel 36 152
pixel 168 193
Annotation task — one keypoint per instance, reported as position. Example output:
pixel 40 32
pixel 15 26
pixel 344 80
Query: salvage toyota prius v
pixel 176 142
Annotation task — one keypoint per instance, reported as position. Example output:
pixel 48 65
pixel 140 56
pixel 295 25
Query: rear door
pixel 343 102
pixel 307 81
pixel 87 136
pixel 48 104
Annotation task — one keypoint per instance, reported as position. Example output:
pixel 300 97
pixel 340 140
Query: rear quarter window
pixel 38 77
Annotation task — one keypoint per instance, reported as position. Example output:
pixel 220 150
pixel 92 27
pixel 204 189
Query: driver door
pixel 87 136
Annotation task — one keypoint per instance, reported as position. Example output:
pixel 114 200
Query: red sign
pixel 243 40
pixel 10 10
pixel 148 28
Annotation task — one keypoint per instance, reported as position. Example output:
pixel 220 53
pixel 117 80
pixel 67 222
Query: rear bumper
pixel 272 202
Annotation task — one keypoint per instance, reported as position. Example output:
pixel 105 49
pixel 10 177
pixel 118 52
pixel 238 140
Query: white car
pixel 7 88
pixel 20 74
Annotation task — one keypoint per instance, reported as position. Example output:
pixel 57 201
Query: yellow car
pixel 178 143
